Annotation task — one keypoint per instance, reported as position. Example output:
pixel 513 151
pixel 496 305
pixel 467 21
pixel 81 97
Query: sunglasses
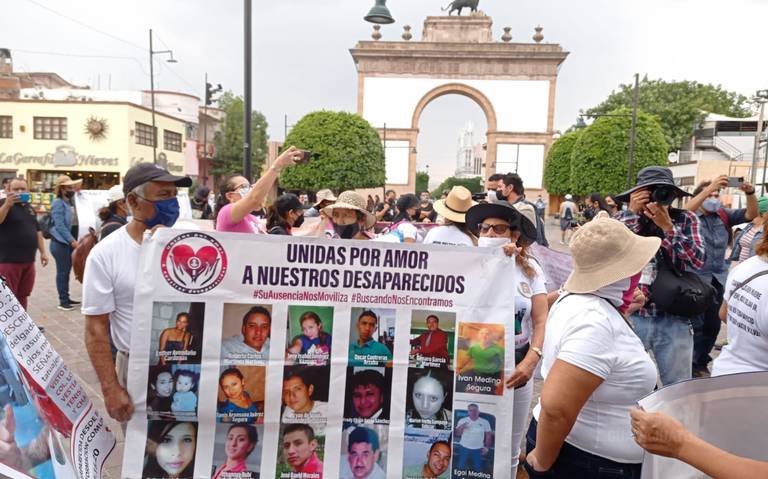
pixel 498 229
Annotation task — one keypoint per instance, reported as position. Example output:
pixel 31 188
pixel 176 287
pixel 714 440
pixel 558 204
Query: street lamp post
pixel 152 53
pixel 247 163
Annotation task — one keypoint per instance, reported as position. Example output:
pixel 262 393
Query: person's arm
pixel 723 313
pixel 663 435
pixel 564 393
pixel 260 190
pixel 488 440
pixel 753 211
pixel 59 221
pixel 6 206
pixel 41 248
pixel 162 341
pixel 524 371
pixel 467 359
pixel 383 211
pixel 695 203
pixel 682 241
pixel 116 399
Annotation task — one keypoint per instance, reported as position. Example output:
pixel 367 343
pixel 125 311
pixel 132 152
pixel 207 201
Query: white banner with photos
pixel 280 357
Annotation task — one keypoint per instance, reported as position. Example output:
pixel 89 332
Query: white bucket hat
pixel 454 207
pixel 605 251
pixel 351 200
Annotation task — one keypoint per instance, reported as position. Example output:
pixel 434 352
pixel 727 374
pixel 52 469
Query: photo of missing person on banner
pixel 246 329
pixel 371 337
pixel 177 331
pixel 473 442
pixel 427 454
pixel 309 340
pixel 237 451
pixel 301 451
pixel 172 391
pixel 429 398
pixel 364 452
pixel 305 394
pixel 170 450
pixel 367 395
pixel 432 339
pixel 480 361
pixel 241 394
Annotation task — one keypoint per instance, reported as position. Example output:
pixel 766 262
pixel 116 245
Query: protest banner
pixel 557 265
pixel 49 429
pixel 726 411
pixel 283 357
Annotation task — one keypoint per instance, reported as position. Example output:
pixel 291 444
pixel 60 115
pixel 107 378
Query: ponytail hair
pixel 762 248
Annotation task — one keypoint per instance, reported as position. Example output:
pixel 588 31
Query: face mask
pixel 491 197
pixel 630 293
pixel 69 194
pixel 711 205
pixel 299 221
pixel 490 242
pixel 166 213
pixel 346 231
pixel 500 195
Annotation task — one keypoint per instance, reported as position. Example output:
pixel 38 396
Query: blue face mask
pixel 711 205
pixel 166 213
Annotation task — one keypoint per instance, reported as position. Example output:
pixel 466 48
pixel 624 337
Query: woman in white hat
pixel 500 224
pixel 62 239
pixel 595 367
pixel 348 218
pixel 453 209
pixel 115 214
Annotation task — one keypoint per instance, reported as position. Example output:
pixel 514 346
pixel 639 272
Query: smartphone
pixel 735 181
pixel 306 156
pixel 25 197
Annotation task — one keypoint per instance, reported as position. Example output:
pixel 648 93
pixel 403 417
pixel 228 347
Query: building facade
pixel 96 141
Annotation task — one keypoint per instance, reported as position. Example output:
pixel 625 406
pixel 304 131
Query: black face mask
pixel 299 221
pixel 346 231
pixel 69 194
pixel 500 195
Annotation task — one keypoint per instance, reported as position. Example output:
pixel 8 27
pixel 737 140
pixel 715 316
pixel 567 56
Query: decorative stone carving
pixel 538 36
pixel 376 35
pixel 407 33
pixel 507 35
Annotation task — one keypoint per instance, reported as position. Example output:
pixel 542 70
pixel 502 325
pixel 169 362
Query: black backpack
pixel 46 224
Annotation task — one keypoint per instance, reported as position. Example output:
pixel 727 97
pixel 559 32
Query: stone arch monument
pixel 513 83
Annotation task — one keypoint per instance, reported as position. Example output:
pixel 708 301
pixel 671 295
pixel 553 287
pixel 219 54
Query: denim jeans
pixel 573 463
pixel 62 254
pixel 706 327
pixel 474 455
pixel 670 338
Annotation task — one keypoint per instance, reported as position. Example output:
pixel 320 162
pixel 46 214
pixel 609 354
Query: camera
pixel 664 195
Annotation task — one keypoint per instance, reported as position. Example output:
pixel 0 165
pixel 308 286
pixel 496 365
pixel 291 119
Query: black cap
pixel 652 176
pixel 142 173
pixel 287 202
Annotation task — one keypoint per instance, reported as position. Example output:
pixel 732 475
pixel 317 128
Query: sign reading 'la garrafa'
pixel 64 156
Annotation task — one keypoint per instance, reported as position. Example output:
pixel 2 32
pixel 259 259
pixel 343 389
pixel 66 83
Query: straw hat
pixel 527 222
pixel 351 200
pixel 454 207
pixel 605 251
pixel 501 209
pixel 64 180
pixel 324 195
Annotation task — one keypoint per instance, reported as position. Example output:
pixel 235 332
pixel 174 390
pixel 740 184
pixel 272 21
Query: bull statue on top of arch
pixel 459 5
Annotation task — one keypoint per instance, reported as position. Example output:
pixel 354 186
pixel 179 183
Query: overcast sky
pixel 301 60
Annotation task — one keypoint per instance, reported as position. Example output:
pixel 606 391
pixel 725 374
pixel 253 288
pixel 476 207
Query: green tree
pixel 599 160
pixel 679 106
pixel 557 168
pixel 348 150
pixel 422 181
pixel 229 141
pixel 474 185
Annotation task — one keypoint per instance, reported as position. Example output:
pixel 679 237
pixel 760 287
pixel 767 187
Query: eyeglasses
pixel 499 229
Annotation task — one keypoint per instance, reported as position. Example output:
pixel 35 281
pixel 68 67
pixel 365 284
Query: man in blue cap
pixel 650 213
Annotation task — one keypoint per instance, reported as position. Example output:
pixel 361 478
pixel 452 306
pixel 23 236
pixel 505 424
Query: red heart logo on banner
pixel 192 262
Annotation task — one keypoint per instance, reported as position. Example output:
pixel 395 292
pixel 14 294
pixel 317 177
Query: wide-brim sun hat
pixel 527 223
pixel 605 251
pixel 501 209
pixel 324 195
pixel 351 200
pixel 64 180
pixel 652 176
pixel 455 206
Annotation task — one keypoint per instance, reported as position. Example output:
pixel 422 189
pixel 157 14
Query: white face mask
pixel 491 196
pixel 489 242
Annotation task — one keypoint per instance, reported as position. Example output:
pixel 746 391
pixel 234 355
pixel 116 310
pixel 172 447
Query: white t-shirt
pixel 473 436
pixel 526 289
pixel 109 281
pixel 587 332
pixel 449 235
pixel 402 232
pixel 747 348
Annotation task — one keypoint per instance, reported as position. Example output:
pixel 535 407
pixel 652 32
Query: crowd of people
pixel 648 278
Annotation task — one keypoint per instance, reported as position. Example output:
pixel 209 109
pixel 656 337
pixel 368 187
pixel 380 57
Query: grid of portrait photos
pixel 305 390
pixel 173 389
